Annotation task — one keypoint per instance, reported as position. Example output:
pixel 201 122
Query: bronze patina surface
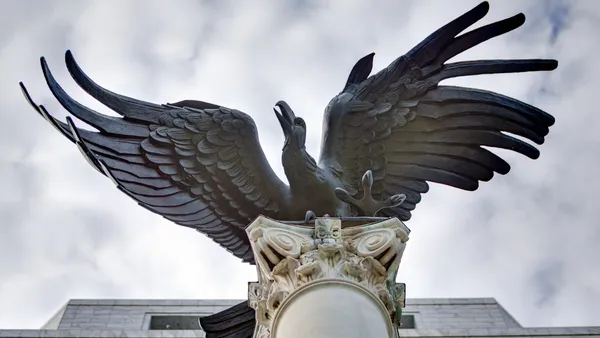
pixel 385 136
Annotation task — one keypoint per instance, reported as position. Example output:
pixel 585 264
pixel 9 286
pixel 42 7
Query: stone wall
pixel 131 314
pixel 459 313
pixel 471 317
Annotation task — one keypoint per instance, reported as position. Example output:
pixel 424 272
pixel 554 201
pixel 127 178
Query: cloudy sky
pixel 529 239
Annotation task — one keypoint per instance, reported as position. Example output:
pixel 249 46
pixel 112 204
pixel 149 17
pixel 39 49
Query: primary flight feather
pixel 385 137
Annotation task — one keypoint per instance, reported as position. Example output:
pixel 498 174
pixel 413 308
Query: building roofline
pixel 54 321
pixel 200 302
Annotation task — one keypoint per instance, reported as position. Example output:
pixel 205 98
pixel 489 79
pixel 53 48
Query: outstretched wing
pixel 197 164
pixel 408 130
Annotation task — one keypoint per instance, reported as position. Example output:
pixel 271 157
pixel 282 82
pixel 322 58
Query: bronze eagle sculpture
pixel 385 136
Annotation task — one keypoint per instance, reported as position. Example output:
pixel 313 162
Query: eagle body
pixel 385 137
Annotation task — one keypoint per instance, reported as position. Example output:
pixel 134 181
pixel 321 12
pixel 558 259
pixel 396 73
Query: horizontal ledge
pixel 525 332
pixel 343 219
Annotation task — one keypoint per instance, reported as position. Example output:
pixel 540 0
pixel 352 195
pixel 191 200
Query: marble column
pixel 328 280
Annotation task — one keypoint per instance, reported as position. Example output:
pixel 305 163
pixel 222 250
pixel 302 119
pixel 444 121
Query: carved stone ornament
pixel 289 257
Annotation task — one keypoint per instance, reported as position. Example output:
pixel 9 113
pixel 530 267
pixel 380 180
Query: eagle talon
pixel 367 205
pixel 310 215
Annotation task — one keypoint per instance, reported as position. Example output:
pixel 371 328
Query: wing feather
pixel 408 130
pixel 105 124
pixel 131 108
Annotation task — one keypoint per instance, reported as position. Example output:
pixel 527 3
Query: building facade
pixel 468 317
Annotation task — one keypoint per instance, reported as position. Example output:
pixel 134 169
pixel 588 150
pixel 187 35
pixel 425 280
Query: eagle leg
pixel 367 205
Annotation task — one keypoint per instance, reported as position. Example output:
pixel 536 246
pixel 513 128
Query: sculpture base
pixel 331 308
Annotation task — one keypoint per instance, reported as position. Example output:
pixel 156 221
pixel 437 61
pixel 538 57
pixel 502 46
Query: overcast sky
pixel 529 239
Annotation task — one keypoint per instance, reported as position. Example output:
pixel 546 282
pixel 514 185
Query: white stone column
pixel 330 280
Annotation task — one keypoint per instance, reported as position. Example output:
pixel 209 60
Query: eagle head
pixel 294 128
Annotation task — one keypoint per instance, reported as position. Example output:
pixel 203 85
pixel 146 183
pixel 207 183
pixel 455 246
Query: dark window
pixel 407 322
pixel 174 322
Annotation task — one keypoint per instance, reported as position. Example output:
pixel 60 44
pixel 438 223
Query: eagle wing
pixel 197 164
pixel 408 130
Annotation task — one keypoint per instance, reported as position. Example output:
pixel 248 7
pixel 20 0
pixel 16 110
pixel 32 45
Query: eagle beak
pixel 286 117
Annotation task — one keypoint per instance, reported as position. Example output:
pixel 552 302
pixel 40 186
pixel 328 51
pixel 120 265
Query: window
pixel 407 322
pixel 190 322
pixel 174 322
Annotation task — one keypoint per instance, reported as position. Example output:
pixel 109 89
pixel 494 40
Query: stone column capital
pixel 290 257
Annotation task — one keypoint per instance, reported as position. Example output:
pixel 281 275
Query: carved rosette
pixel 289 256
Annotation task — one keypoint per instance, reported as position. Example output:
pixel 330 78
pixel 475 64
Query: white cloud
pixel 529 238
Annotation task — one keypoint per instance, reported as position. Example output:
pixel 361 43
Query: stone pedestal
pixel 333 279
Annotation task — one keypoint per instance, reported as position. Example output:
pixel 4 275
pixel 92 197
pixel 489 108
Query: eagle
pixel 385 137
